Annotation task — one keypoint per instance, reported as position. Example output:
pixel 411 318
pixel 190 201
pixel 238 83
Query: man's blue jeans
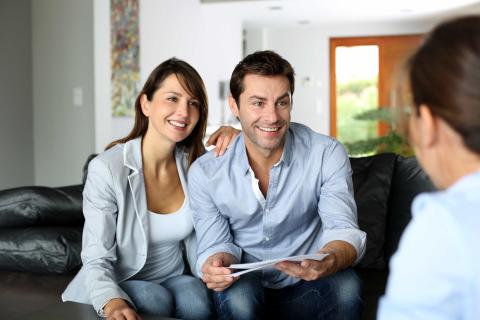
pixel 182 296
pixel 335 297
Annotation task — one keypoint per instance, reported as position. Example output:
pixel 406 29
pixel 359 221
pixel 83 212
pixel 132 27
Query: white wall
pixel 62 60
pixel 16 134
pixel 102 74
pixel 212 44
pixel 45 139
pixel 307 49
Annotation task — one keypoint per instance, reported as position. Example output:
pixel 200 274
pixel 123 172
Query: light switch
pixel 78 96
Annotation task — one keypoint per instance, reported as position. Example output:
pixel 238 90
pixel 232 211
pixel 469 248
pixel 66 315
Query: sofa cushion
pixel 41 206
pixel 408 180
pixel 372 177
pixel 41 249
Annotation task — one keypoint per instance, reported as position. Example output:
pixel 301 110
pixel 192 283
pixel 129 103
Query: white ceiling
pixel 277 13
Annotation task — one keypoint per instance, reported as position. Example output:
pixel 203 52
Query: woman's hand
pixel 118 309
pixel 221 139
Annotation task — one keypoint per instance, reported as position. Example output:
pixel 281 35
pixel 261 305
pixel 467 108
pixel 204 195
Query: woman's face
pixel 172 112
pixel 413 123
pixel 423 138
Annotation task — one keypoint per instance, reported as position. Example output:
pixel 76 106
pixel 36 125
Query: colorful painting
pixel 124 56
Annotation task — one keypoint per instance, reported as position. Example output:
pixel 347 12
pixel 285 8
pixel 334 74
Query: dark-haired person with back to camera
pixel 281 190
pixel 435 274
pixel 136 206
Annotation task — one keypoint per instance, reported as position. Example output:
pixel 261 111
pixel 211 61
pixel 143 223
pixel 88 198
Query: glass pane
pixel 357 91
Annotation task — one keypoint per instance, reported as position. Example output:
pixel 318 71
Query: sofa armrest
pixel 41 206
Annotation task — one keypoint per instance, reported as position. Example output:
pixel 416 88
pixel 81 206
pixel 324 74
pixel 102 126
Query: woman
pixel 136 206
pixel 436 272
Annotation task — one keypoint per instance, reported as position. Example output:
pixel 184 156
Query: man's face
pixel 264 111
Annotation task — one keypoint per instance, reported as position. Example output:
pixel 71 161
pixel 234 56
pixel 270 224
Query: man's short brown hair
pixel 265 63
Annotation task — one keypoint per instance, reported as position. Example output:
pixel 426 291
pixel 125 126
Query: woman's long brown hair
pixel 444 74
pixel 191 81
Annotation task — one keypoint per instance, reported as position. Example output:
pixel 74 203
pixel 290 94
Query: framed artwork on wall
pixel 125 48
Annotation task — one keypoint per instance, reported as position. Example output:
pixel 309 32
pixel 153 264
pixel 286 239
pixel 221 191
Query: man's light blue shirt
pixel 309 203
pixel 435 274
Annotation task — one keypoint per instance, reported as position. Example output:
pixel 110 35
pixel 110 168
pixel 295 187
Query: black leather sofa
pixel 385 186
pixel 40 237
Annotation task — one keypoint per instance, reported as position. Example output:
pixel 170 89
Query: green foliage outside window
pixel 358 116
pixel 393 141
pixel 354 98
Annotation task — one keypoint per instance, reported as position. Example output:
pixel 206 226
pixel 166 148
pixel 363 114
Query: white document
pixel 249 267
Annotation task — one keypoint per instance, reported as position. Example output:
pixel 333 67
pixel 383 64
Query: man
pixel 282 190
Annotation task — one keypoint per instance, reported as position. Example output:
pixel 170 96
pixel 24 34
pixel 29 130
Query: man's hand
pixel 215 271
pixel 118 309
pixel 309 270
pixel 341 255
